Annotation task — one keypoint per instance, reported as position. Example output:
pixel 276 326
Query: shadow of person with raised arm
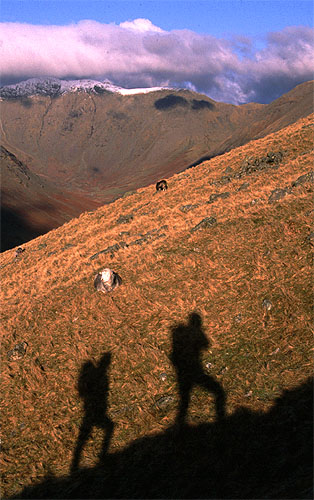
pixel 93 387
pixel 188 341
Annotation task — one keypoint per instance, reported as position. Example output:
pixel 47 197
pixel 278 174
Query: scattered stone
pixel 204 224
pixel 215 196
pixel 111 249
pixel 124 219
pixel 208 365
pixel 310 238
pixel 275 351
pixel 163 376
pixel 41 246
pixel 277 195
pixel 18 352
pixel 274 157
pixel 223 370
pixel 228 170
pixel 238 318
pixel 303 179
pixel 124 233
pixel 248 394
pixel 164 402
pixel 107 280
pixel 225 179
pixel 255 201
pixel 244 186
pixel 188 208
pixel 267 305
pixel 152 235
pixel 68 245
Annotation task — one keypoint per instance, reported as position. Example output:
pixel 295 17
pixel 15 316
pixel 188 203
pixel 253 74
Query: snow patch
pixel 54 87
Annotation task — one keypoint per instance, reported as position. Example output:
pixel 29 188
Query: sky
pixel 231 50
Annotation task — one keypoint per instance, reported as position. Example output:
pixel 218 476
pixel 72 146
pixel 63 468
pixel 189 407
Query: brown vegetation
pixel 223 272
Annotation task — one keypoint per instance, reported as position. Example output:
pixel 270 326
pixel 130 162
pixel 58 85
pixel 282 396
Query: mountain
pixel 99 142
pixel 193 378
pixel 53 87
pixel 31 205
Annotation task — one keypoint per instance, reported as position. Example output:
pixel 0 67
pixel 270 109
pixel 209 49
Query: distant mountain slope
pixel 193 378
pixel 101 144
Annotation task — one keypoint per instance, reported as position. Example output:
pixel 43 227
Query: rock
pixel 251 165
pixel 124 219
pixel 228 170
pixel 267 305
pixel 273 157
pixel 18 352
pixel 225 179
pixel 111 249
pixel 309 177
pixel 187 208
pixel 107 280
pixel 204 224
pixel 164 402
pixel 310 238
pixel 244 186
pixel 215 196
pixel 255 201
pixel 277 195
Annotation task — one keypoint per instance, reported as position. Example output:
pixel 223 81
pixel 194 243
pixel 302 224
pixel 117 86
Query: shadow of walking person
pixel 93 387
pixel 188 341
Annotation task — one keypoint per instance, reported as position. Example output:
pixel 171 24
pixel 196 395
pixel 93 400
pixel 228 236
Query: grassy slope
pixel 255 251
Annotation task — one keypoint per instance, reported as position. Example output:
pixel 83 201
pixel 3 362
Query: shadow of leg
pixel 211 385
pixel 108 432
pixel 85 431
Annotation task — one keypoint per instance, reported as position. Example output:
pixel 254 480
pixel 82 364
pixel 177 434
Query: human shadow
pixel 240 455
pixel 188 342
pixel 93 388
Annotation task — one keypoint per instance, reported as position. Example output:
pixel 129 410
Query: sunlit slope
pixel 228 237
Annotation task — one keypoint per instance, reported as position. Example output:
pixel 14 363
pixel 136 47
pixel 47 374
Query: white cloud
pixel 140 25
pixel 139 54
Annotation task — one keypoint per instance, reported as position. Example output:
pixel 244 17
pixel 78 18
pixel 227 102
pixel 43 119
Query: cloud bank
pixel 139 54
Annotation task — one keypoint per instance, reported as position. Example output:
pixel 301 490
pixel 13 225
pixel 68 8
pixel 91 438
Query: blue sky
pixel 234 51
pixel 219 18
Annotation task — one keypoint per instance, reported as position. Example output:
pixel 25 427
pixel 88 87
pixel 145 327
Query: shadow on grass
pixel 93 387
pixel 15 230
pixel 246 454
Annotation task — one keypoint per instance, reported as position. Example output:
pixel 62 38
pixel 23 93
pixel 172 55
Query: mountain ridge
pixel 97 147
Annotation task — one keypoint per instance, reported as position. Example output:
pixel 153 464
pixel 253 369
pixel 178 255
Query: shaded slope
pixel 31 205
pixel 249 455
pixel 230 242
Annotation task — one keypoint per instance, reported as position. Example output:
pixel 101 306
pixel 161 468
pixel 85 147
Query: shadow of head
pixel 93 378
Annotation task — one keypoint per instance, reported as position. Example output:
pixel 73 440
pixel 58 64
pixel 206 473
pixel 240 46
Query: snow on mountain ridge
pixel 53 87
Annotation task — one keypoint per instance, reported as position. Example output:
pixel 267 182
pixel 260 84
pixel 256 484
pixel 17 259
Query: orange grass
pixel 255 251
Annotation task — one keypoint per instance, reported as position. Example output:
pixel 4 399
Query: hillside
pixel 98 146
pixel 217 277
pixel 32 205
